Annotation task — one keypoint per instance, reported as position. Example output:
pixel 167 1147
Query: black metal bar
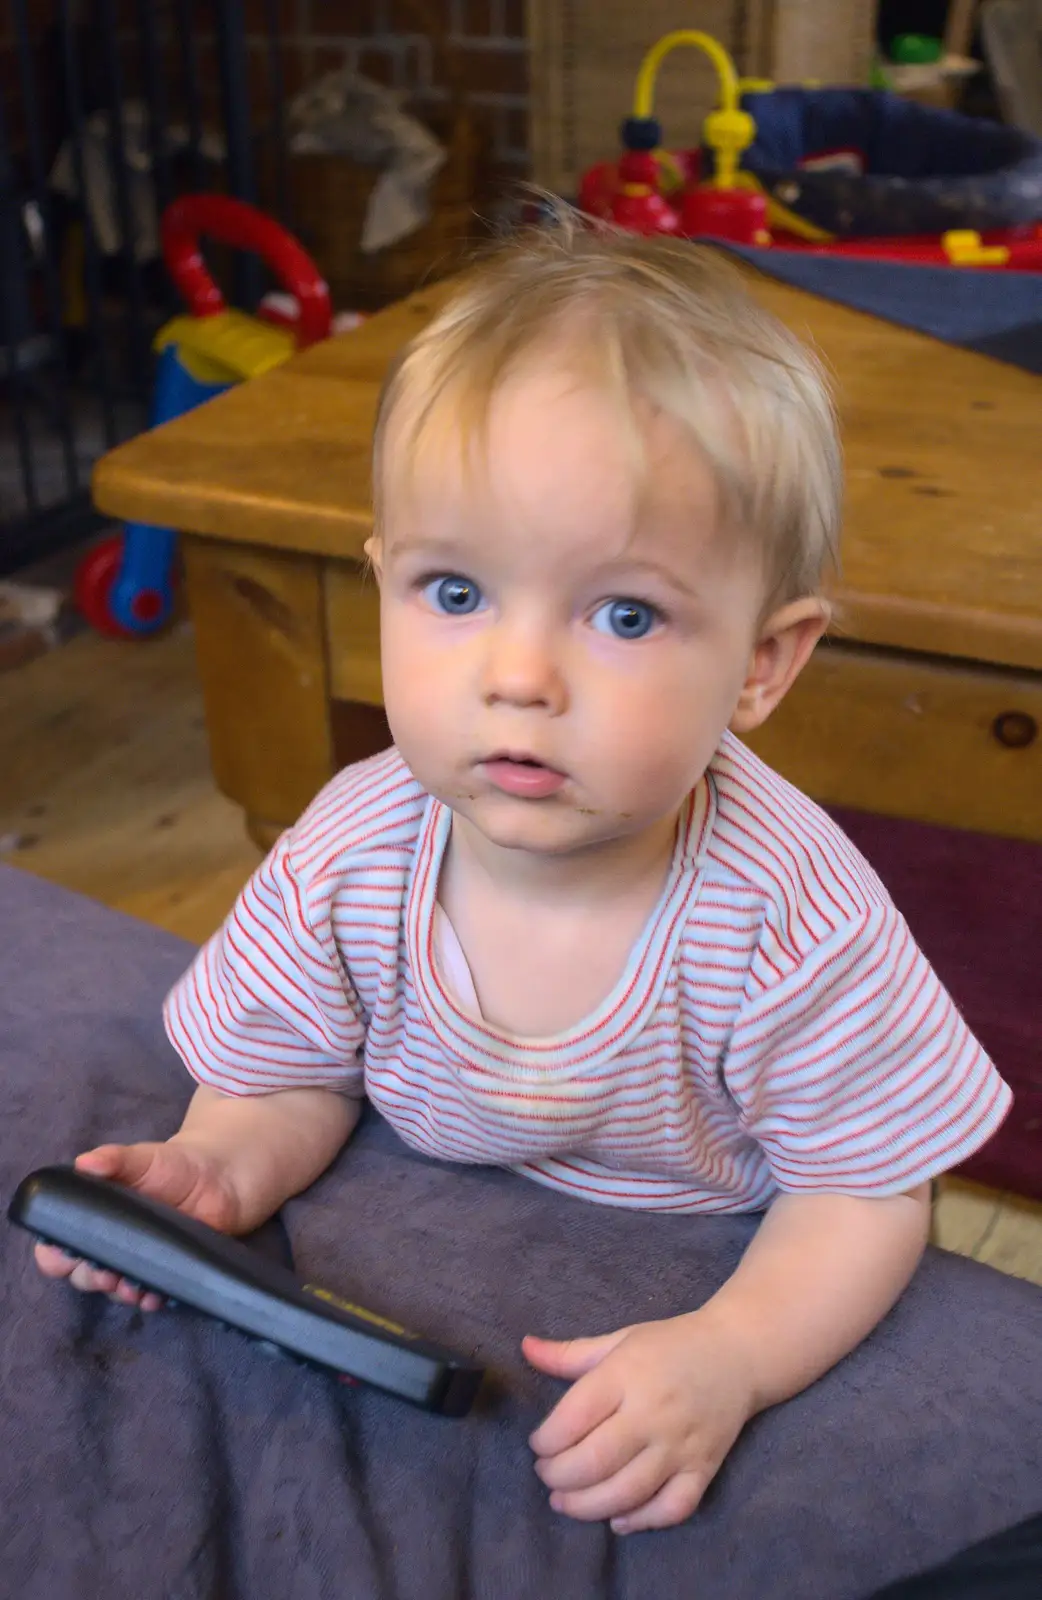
pixel 190 84
pixel 157 104
pixel 14 308
pixel 91 253
pixel 45 209
pixel 235 97
pixel 40 534
pixel 277 118
pixel 120 171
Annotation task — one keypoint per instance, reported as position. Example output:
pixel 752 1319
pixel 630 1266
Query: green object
pixel 878 77
pixel 916 50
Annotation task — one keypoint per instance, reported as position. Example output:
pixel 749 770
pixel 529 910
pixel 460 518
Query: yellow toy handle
pixel 644 94
pixel 728 131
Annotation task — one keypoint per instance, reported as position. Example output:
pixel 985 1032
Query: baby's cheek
pixel 654 746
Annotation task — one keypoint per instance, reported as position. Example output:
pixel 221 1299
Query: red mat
pixel 974 903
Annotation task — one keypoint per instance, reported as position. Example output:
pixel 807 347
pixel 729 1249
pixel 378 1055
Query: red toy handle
pixel 242 226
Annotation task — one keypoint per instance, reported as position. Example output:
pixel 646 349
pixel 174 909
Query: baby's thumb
pixel 570 1358
pixel 122 1163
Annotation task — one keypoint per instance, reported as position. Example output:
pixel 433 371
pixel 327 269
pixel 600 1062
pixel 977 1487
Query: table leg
pixel 352 602
pixel 260 642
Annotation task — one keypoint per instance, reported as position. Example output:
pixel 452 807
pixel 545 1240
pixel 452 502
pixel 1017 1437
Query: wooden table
pixel 926 703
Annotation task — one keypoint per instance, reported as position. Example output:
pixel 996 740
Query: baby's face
pixel 558 663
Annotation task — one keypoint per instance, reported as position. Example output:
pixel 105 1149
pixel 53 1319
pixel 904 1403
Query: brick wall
pixel 394 41
pixel 481 42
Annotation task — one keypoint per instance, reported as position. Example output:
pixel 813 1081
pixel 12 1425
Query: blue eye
pixel 625 619
pixel 453 596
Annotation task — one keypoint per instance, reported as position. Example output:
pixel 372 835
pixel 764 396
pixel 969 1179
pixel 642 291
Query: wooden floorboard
pixel 105 783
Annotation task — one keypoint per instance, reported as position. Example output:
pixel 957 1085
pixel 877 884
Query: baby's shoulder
pixel 364 822
pixel 781 856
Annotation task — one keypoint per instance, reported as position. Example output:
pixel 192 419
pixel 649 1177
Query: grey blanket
pixel 166 1458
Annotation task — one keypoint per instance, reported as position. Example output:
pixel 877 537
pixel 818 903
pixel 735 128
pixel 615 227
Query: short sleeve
pixel 856 1074
pixel 267 1004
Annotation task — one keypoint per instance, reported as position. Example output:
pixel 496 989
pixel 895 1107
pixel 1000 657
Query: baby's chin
pixel 553 827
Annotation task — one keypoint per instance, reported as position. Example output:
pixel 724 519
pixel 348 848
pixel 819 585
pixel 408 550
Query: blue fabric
pixel 926 170
pixel 994 313
pixel 166 1458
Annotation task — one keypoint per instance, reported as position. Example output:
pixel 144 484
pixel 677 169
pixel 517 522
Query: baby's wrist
pixel 265 1148
pixel 251 1190
pixel 748 1361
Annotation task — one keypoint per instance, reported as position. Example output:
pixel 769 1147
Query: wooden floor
pixel 105 787
pixel 105 783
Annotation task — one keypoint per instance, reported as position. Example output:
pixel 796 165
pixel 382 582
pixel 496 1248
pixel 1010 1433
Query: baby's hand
pixel 641 1435
pixel 193 1181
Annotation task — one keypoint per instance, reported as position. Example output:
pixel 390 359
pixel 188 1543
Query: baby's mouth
pixel 522 775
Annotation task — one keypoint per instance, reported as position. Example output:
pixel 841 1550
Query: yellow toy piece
pixel 963 248
pixel 227 348
pixel 728 131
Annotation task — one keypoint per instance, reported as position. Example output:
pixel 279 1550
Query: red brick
pixel 514 22
pixel 257 12
pixel 494 71
pixel 348 17
pixel 292 69
pixel 376 64
pixel 259 79
pixel 425 16
pixel 515 128
pixel 326 58
pixel 476 20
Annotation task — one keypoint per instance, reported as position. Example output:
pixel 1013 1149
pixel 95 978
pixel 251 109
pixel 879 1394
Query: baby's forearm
pixel 820 1274
pixel 271 1146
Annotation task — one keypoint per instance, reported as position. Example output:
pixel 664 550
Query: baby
pixel 569 924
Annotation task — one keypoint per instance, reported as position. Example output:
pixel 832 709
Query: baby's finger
pixel 674 1503
pixel 623 1492
pixel 93 1280
pixel 570 1358
pixel 600 1455
pixel 132 1294
pixel 52 1262
pixel 587 1404
pixel 121 1163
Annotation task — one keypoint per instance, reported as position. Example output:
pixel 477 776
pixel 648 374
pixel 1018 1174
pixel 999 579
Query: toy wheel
pixel 95 577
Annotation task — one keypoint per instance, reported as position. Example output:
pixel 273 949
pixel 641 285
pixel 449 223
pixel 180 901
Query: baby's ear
pixel 782 651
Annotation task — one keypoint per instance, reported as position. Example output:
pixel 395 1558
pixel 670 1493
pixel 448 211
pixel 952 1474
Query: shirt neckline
pixel 492 1052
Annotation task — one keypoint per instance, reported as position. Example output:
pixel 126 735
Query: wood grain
pixel 353 632
pixel 912 738
pixel 105 783
pixel 941 549
pixel 260 637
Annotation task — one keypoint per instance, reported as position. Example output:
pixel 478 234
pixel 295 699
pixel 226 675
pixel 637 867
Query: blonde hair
pixel 662 322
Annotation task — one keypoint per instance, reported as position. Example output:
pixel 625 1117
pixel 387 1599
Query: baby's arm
pixel 821 1272
pixel 657 1407
pixel 267 1002
pixel 232 1163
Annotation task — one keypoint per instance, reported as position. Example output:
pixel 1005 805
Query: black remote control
pixel 158 1247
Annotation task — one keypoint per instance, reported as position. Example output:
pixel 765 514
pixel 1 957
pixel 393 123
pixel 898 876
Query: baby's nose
pixel 523 668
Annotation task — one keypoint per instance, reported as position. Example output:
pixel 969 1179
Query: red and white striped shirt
pixel 776 1027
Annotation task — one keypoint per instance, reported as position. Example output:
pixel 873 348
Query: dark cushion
pixel 168 1457
pixel 926 170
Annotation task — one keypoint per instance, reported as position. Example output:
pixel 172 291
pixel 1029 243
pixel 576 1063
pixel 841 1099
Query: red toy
pixel 650 190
